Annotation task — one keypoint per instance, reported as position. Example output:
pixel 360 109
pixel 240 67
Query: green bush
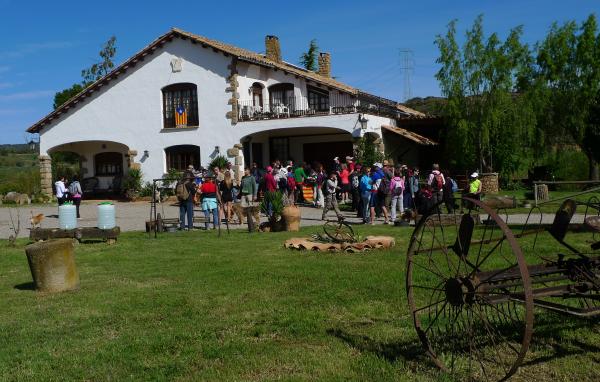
pixel 133 180
pixel 146 189
pixel 220 162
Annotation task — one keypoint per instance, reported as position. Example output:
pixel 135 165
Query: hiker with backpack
pixel 365 187
pixel 75 193
pixel 436 181
pixel 355 189
pixel 397 191
pixel 185 191
pixel 379 191
pixel 329 189
pixel 210 200
pixel 449 189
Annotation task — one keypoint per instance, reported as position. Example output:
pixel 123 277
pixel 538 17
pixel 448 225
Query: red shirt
pixel 209 189
pixel 270 182
pixel 344 174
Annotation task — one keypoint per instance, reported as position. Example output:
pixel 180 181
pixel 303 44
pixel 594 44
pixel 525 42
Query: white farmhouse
pixel 185 99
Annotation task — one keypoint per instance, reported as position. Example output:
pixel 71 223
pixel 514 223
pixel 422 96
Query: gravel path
pixel 132 216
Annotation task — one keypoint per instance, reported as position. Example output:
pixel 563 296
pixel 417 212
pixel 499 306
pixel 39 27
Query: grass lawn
pixel 190 306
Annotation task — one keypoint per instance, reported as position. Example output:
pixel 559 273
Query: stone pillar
pixel 237 154
pixel 379 146
pixel 232 88
pixel 46 174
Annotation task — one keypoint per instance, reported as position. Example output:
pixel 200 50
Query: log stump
pixel 542 193
pixel 52 265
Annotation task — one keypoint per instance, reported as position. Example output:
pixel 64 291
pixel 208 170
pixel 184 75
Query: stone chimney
pixel 325 64
pixel 272 48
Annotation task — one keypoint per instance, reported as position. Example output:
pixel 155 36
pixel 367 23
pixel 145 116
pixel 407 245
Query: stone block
pixel 238 146
pixel 52 265
pixel 233 152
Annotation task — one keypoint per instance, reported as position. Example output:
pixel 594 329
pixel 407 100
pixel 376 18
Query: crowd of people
pixel 371 191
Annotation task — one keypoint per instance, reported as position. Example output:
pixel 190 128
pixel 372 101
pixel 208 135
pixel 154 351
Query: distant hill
pixel 21 148
pixel 433 106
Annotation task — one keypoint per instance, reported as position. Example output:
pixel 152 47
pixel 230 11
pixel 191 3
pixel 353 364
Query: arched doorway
pixel 257 94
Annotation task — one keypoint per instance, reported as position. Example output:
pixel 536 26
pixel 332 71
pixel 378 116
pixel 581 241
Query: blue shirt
pixel 365 184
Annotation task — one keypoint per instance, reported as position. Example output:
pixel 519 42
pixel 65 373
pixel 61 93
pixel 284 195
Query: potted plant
pixel 272 205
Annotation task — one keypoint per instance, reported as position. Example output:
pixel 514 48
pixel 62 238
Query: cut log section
pixel 52 265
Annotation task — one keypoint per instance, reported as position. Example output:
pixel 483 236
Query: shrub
pixel 219 161
pixel 133 180
pixel 146 189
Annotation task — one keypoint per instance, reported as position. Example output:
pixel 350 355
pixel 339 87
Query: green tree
pixel 91 74
pixel 308 59
pixel 568 62
pixel 489 125
pixel 65 95
pixel 104 66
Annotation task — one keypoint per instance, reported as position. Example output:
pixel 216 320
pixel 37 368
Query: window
pixel 108 164
pixel 180 105
pixel 281 94
pixel 318 99
pixel 181 156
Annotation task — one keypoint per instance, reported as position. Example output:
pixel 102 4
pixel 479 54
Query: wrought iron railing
pixel 301 107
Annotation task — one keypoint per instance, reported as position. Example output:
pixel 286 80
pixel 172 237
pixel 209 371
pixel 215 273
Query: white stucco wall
pixel 128 110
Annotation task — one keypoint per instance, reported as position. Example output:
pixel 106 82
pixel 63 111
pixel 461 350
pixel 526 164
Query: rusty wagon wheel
pixel 339 231
pixel 470 294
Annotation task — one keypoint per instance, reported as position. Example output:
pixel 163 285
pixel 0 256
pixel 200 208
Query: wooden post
pixel 535 186
pixel 52 265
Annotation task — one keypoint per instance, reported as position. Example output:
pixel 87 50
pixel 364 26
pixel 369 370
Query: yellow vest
pixel 474 186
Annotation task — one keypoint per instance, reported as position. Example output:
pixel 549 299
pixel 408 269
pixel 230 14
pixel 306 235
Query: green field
pixel 191 306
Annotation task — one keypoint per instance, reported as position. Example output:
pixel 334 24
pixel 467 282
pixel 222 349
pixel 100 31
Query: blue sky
pixel 44 45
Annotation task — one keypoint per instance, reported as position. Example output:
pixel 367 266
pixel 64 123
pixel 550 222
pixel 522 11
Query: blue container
pixel 106 215
pixel 67 216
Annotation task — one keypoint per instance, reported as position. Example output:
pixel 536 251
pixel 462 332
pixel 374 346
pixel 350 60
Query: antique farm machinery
pixel 472 287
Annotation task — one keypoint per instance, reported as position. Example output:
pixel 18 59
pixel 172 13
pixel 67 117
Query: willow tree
pixel 490 126
pixel 568 61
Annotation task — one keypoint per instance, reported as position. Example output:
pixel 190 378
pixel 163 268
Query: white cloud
pixel 26 95
pixel 25 49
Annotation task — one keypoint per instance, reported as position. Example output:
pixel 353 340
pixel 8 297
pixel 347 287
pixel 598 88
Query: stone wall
pixel 325 64
pixel 236 153
pixel 272 48
pixel 232 88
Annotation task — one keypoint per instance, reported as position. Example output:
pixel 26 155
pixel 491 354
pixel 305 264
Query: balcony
pixel 298 107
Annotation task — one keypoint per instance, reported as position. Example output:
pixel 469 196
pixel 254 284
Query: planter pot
pixel 291 216
pixel 52 265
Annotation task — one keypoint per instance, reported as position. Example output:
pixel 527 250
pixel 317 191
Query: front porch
pixel 101 166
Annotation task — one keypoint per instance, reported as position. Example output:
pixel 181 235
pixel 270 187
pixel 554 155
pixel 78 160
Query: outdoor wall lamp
pixel 218 149
pixel 363 122
pixel 146 153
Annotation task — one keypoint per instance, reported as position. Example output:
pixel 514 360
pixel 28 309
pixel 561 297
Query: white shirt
pixel 60 188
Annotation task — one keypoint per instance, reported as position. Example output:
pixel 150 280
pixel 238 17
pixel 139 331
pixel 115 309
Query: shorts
pixel 345 187
pixel 374 201
pixel 387 200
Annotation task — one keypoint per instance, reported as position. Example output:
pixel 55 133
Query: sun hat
pixel 474 175
pixel 386 162
pixel 349 158
pixel 209 174
pixel 377 164
pixel 336 158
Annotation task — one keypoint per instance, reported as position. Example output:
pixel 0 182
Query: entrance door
pixel 324 152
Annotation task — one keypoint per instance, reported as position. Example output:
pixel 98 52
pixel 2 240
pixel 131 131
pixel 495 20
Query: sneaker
pixel 386 222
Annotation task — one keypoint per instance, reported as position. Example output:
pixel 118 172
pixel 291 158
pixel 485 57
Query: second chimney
pixel 272 48
pixel 325 64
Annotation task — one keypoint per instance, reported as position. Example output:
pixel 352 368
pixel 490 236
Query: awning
pixel 419 139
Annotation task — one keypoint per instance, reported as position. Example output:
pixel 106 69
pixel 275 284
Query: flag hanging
pixel 180 116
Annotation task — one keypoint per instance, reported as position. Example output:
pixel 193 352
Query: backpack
pixel 397 189
pixel 73 188
pixel 181 191
pixel 355 181
pixel 291 183
pixel 324 188
pixel 438 182
pixel 384 185
pixel 283 183
pixel 454 185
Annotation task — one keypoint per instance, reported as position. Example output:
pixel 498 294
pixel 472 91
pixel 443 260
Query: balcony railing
pixel 294 107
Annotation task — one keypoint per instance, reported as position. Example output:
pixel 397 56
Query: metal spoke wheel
pixel 339 231
pixel 470 294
